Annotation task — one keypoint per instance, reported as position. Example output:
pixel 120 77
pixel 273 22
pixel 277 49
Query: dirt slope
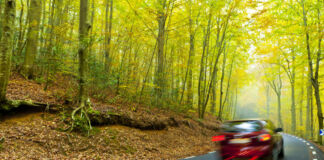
pixel 37 135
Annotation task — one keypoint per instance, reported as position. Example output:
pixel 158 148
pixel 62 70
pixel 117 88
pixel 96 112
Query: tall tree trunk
pixel 190 74
pixel 42 29
pixel 160 54
pixel 21 31
pixel 316 82
pixel 34 16
pixel 147 72
pixel 228 85
pixel 189 69
pixel 276 85
pixel 49 42
pixel 6 45
pixel 91 23
pixel 83 34
pixel 108 30
pixel 314 79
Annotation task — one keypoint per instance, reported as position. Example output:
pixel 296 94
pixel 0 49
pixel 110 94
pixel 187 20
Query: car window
pixel 268 124
pixel 242 126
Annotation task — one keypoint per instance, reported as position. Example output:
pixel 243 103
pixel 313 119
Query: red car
pixel 250 139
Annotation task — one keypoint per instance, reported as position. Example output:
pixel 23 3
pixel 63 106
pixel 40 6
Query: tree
pixel 159 82
pixel 83 35
pixel 291 73
pixel 84 28
pixel 314 75
pixel 276 85
pixel 8 28
pixel 108 30
pixel 34 15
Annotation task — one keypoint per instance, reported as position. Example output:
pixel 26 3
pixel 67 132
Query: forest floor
pixel 31 134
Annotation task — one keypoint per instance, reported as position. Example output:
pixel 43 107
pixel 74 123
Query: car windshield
pixel 242 126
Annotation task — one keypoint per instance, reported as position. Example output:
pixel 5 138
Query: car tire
pixel 272 156
pixel 282 151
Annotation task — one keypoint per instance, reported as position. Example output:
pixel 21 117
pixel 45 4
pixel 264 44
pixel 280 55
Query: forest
pixel 208 61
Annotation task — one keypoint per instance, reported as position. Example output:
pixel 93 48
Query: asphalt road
pixel 295 149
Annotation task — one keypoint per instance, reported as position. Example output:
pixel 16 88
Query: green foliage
pixel 80 124
pixel 64 115
pixel 91 111
pixel 113 100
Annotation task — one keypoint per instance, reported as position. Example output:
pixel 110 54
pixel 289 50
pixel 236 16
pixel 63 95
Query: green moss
pixel 92 111
pixel 112 113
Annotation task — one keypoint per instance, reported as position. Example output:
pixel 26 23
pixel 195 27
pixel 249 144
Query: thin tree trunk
pixel 279 109
pixel 235 106
pixel 214 97
pixel 221 88
pixel 309 119
pixel 202 74
pixel 221 45
pixel 293 102
pixel 277 86
pixel 147 72
pixel 49 43
pixel 301 103
pixel 228 83
pixel 108 30
pixel 268 100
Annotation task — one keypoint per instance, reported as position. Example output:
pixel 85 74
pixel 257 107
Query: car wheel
pixel 282 152
pixel 272 156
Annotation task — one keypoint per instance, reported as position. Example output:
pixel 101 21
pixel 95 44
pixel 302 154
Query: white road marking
pixel 190 157
pixel 307 144
pixel 212 152
pixel 311 147
pixel 314 152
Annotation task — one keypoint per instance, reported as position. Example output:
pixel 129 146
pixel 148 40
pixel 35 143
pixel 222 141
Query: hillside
pixel 35 134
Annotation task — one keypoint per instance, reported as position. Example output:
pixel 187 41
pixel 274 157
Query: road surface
pixel 295 149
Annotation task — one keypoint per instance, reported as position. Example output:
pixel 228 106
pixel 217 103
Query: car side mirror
pixel 278 130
